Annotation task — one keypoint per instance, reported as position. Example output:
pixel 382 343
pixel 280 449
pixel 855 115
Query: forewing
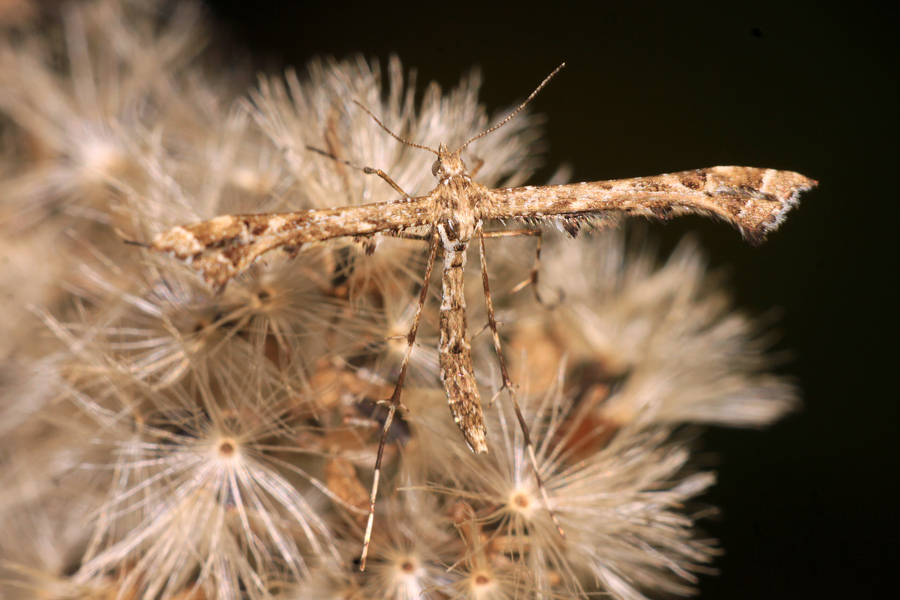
pixel 754 200
pixel 223 247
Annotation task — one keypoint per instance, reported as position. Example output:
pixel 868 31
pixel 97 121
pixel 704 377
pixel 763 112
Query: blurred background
pixel 809 506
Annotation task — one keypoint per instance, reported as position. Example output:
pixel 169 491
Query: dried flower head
pixel 159 440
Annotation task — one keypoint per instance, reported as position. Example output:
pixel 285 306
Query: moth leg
pixel 535 269
pixel 366 170
pixel 387 178
pixel 405 235
pixel 368 241
pixel 507 383
pixel 484 328
pixel 395 396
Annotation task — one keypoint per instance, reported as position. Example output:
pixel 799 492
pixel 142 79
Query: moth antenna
pixel 515 112
pixel 391 133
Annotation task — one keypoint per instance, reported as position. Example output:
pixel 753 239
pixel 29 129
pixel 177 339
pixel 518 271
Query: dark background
pixel 810 508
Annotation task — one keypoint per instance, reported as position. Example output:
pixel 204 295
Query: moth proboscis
pixel 454 213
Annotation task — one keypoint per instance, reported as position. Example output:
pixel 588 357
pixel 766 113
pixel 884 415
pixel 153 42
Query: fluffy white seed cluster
pixel 161 441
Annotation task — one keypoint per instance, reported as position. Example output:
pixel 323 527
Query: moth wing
pixel 754 200
pixel 224 247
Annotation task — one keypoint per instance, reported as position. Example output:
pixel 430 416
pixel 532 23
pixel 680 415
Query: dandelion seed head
pixel 407 566
pixel 195 444
pixel 485 573
pixel 227 449
pixel 489 583
pixel 632 317
pixel 205 481
pixel 408 557
pixel 483 582
pixel 523 502
pixel 77 105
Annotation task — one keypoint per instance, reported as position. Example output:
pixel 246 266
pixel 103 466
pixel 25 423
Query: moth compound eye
pixel 436 167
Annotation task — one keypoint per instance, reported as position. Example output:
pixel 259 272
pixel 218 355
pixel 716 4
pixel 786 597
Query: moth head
pixel 448 164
